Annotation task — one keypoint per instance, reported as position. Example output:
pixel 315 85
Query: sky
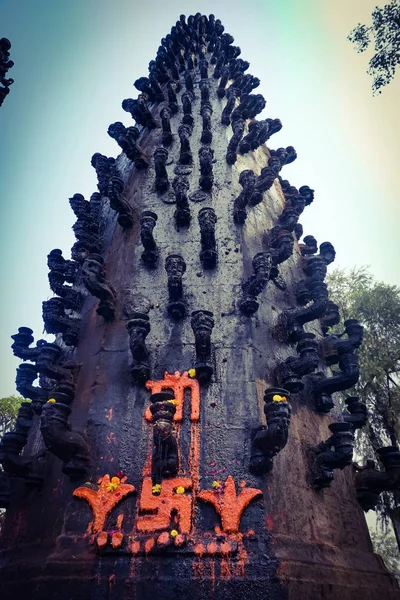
pixel 76 61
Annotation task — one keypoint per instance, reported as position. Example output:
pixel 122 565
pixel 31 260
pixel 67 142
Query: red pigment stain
pixel 102 539
pixel 269 523
pixel 149 545
pixel 226 548
pixel 109 414
pixel 135 547
pixel 179 540
pixel 199 550
pixel 116 539
pixel 111 579
pixel 212 548
pixel 163 538
pixel 225 570
pixel 120 518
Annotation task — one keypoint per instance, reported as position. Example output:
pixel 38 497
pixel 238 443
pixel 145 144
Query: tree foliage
pixel 385 32
pixel 377 306
pixel 386 546
pixel 8 412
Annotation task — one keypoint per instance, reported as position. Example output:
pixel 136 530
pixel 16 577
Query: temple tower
pixel 182 439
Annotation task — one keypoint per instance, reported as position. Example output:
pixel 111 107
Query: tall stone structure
pixel 180 441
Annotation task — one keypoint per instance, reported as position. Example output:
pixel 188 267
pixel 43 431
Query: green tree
pixel 385 31
pixel 377 306
pixel 386 546
pixel 8 412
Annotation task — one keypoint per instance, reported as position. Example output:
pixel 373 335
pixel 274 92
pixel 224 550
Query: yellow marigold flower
pixel 173 401
pixel 216 485
pixel 278 398
pixel 156 489
pixel 180 490
pixel 52 400
pixel 114 484
pixel 174 533
pixel 192 373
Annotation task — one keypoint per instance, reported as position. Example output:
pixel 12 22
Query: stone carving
pixel 187 99
pixel 126 138
pixel 208 255
pixel 268 441
pixel 291 321
pixel 228 504
pixel 247 180
pixel 25 376
pixel 370 482
pixel 175 267
pixel 182 214
pixel 143 84
pixel 57 321
pixel 119 203
pixel 203 68
pixel 202 323
pixel 93 278
pixel 62 270
pixel 262 265
pixel 178 383
pixel 139 111
pixel 165 461
pixel 205 92
pixel 165 115
pixel 138 329
pixel 206 112
pixel 172 98
pixel 206 156
pixel 231 94
pixel 335 453
pixel 160 159
pixel 105 168
pixel 237 128
pixel 247 142
pixel 264 182
pixel 30 468
pixel 5 488
pixel 185 157
pixel 223 81
pixel 159 508
pixel 148 220
pixel 356 413
pixel 5 65
pixel 189 76
pixel 68 445
pixel 290 372
pixel 86 228
pixel 330 318
pixel 341 351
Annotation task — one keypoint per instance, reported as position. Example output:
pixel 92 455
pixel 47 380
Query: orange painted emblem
pixel 178 383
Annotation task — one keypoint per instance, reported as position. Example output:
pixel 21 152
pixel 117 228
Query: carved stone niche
pixel 186 157
pixel 206 156
pixel 208 255
pixel 290 372
pixel 160 160
pixel 335 453
pixel 60 439
pixel 175 267
pixel 93 278
pixel 370 482
pixel 148 220
pixel 119 203
pixel 29 468
pixel 202 323
pixel 165 115
pixel 165 458
pixel 182 214
pixel 138 328
pixel 267 441
pixel 262 265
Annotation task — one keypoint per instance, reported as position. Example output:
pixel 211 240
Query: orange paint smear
pixel 212 548
pixel 194 457
pixel 178 383
pixel 149 545
pixel 103 501
pixel 102 539
pixel 163 505
pixel 226 548
pixel 109 416
pixel 117 539
pixel 120 518
pixel 111 580
pixel 179 540
pixel 225 570
pixel 163 538
pixel 135 547
pixel 228 504
pixel 199 550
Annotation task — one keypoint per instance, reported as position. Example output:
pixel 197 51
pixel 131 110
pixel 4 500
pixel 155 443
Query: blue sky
pixel 76 61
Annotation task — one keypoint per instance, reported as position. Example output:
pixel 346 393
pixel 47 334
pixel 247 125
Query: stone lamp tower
pixel 179 440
